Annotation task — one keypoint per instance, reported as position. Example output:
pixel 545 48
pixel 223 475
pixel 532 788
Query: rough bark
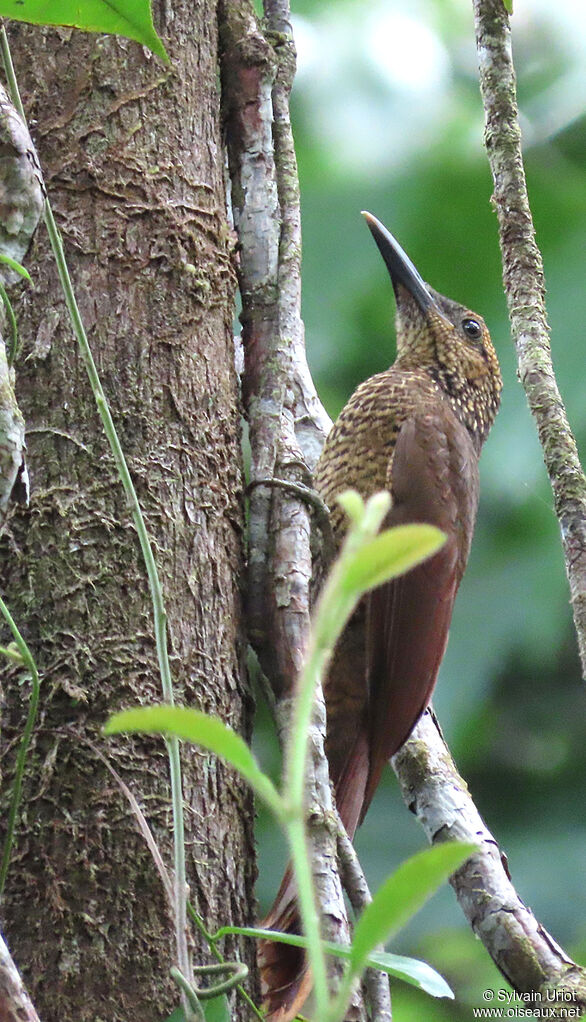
pixel 133 161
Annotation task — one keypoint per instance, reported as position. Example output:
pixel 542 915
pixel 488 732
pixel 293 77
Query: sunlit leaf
pixel 201 729
pixel 402 895
pixel 130 18
pixel 390 554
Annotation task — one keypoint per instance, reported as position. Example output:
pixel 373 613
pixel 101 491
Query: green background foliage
pixel 387 117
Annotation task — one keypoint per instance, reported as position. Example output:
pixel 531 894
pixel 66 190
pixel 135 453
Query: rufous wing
pixel 433 478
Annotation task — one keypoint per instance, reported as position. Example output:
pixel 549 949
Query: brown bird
pixel 415 430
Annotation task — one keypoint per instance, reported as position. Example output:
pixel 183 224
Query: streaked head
pixel 448 341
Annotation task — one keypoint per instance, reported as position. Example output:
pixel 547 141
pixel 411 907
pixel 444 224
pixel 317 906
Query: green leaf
pixel 410 970
pixel 12 263
pixel 201 729
pixel 130 18
pixel 402 895
pixel 12 346
pixel 217 1009
pixel 390 554
pixel 508 4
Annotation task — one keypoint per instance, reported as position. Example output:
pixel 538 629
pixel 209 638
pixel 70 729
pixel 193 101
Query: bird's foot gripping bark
pixel 311 497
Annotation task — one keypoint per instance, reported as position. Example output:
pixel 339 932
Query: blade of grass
pixel 28 661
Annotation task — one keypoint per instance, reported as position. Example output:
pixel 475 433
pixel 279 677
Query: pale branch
pixel 287 424
pixel 311 422
pixel 15 1002
pixel 22 197
pixel 12 443
pixel 528 957
pixel 22 188
pixel 525 290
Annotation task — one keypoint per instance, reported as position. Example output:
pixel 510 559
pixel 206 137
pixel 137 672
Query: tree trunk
pixel 133 162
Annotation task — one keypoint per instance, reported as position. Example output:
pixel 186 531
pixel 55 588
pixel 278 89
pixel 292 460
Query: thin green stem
pixel 189 995
pixel 302 714
pixel 338 1005
pixel 238 970
pixel 29 662
pixel 334 608
pixel 160 618
pixel 309 911
pixel 10 73
pixel 159 613
pixel 13 349
pixel 212 942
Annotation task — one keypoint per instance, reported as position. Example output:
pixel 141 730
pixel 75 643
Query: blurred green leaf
pixel 217 1009
pixel 201 729
pixel 508 4
pixel 12 652
pixel 352 503
pixel 214 1010
pixel 402 895
pixel 390 554
pixel 130 18
pixel 410 970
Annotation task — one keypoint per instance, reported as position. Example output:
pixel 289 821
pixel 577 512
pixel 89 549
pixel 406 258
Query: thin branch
pixel 526 954
pixel 286 421
pixel 525 291
pixel 356 887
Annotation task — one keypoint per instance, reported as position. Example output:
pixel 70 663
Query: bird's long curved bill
pixel 398 263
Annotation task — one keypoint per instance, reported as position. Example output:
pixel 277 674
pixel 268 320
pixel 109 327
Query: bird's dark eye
pixel 472 329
